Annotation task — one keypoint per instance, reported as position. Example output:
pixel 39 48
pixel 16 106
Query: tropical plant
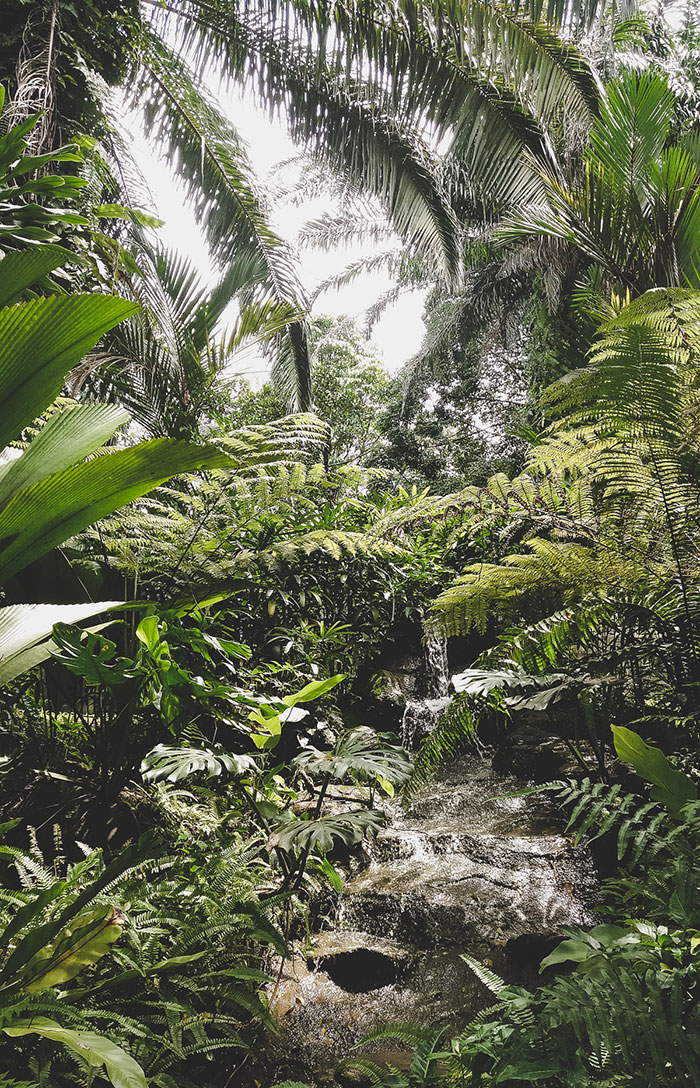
pixel 633 213
pixel 55 486
pixel 294 817
pixel 469 75
pixel 122 920
pixel 350 391
pixel 24 219
pixel 424 1069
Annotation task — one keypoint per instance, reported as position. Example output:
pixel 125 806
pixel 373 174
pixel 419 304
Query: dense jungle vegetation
pixel 202 581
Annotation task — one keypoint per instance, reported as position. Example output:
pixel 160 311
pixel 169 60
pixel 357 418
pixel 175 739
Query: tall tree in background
pixel 351 392
pixel 369 92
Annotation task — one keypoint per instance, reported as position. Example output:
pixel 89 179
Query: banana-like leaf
pixel 99 1052
pixel 20 270
pixel 313 690
pixel 69 437
pixel 81 944
pixel 672 788
pixel 25 631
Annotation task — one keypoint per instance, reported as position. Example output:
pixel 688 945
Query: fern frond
pixel 454 729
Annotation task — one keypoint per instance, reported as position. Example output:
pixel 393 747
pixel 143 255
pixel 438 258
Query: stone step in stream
pixel 466 869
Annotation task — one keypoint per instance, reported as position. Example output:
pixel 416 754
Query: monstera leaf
pixel 361 755
pixel 174 764
pixel 323 833
pixel 91 656
pixel 25 631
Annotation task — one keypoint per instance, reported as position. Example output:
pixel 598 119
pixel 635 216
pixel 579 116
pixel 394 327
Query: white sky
pixel 394 338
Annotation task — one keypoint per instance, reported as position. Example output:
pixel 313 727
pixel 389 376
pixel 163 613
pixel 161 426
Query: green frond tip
pixel 454 730
pixel 334 544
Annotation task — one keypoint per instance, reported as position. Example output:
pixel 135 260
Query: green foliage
pixel 324 833
pixel 174 764
pixel 454 730
pixel 360 755
pixel 24 219
pixel 350 391
pixel 635 178
pixel 94 1050
pixel 672 788
pixel 56 486
pixel 111 1015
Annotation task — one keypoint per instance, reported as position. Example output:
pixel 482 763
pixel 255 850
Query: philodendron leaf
pixel 123 1071
pixel 568 952
pixel 81 944
pixel 25 631
pixel 672 788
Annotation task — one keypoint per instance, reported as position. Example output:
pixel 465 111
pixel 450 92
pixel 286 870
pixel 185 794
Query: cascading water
pixel 424 707
pixel 467 869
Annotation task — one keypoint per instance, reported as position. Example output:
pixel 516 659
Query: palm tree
pixel 166 364
pixel 371 91
pixel 630 217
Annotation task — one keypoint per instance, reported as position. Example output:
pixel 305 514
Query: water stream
pixel 466 869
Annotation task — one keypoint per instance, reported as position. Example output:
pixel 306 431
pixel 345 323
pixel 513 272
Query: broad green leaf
pixel 332 874
pixel 42 516
pixel 672 788
pixel 25 631
pixel 323 833
pixel 81 944
pixel 69 437
pixel 148 633
pixel 362 755
pixel 173 764
pixel 96 1050
pixel 24 268
pixel 90 656
pixel 40 341
pixel 568 952
pixel 386 785
pixel 313 690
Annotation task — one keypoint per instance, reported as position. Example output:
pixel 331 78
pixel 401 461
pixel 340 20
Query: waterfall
pixel 437 669
pixel 422 710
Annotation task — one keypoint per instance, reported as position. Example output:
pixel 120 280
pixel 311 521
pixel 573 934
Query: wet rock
pixel 470 868
pixel 530 751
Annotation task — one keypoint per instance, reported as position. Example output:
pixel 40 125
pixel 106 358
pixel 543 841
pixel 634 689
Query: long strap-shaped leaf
pixel 99 1052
